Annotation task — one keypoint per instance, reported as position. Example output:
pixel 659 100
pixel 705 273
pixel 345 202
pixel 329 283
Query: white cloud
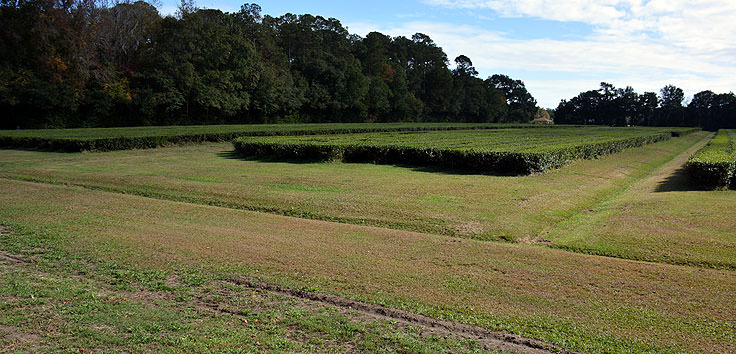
pixel 694 24
pixel 571 10
pixel 645 44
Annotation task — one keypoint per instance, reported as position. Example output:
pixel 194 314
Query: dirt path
pixel 672 175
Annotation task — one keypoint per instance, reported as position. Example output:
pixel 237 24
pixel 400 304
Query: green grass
pixel 503 150
pixel 715 164
pixel 584 303
pixel 527 209
pixel 55 301
pixel 92 237
pixel 108 139
pixel 661 218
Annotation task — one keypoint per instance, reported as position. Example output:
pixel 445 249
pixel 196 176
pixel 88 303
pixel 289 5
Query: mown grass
pixel 518 151
pixel 586 303
pixel 517 209
pixel 109 139
pixel 715 164
pixel 57 301
pixel 662 218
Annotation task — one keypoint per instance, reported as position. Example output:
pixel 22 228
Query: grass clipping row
pixel 715 164
pixel 477 160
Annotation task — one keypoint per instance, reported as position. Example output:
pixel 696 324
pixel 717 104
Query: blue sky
pixel 557 47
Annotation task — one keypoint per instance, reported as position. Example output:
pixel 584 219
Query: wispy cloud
pixel 696 24
pixel 646 44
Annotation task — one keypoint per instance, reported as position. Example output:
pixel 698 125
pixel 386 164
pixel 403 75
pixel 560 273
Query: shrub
pixel 512 151
pixel 715 164
pixel 108 139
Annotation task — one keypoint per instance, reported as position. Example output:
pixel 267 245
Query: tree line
pixel 80 63
pixel 609 105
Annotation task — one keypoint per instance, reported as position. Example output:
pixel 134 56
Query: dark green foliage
pixel 522 106
pixel 513 151
pixel 678 132
pixel 86 64
pixel 715 164
pixel 618 107
pixel 196 66
pixel 713 111
pixel 476 100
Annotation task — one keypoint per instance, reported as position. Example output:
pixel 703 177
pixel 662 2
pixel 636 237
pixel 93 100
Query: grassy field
pixel 516 151
pixel 164 235
pixel 663 218
pixel 526 209
pixel 585 303
pixel 55 301
pixel 109 139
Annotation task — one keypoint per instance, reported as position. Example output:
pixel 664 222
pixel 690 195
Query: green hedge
pixel 678 132
pixel 715 164
pixel 108 139
pixel 476 157
pixel 110 144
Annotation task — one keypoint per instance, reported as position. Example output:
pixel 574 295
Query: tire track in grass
pixel 430 327
pixel 489 340
pixel 524 266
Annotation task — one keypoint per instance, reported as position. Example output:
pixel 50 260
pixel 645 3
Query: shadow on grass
pixel 450 171
pixel 680 181
pixel 36 149
pixel 232 154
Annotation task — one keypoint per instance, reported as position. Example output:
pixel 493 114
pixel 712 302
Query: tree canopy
pixel 83 63
pixel 609 105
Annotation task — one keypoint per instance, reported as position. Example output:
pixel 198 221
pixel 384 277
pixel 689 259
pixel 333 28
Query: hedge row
pixel 715 164
pixel 111 143
pixel 464 159
pixel 42 139
pixel 678 132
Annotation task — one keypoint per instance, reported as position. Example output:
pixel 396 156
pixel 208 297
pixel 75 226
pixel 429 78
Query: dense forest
pixel 623 106
pixel 79 63
pixel 82 63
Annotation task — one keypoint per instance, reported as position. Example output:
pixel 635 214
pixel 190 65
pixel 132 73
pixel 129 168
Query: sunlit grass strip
pixel 513 151
pixel 109 139
pixel 715 164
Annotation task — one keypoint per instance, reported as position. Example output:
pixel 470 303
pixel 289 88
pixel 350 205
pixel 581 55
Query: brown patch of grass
pixel 470 228
pixel 506 283
pixel 234 304
pixel 16 334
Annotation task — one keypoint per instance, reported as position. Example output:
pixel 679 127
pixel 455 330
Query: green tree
pixel 473 100
pixel 648 103
pixel 522 106
pixel 429 78
pixel 196 71
pixel 671 110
